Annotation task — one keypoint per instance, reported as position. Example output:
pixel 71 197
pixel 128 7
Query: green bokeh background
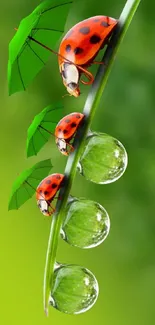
pixel 125 264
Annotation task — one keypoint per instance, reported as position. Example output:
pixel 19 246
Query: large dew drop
pixel 75 289
pixel 86 223
pixel 104 159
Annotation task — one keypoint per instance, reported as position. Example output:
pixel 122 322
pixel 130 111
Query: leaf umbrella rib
pixel 30 186
pixel 37 179
pixel 35 53
pixel 53 109
pixel 20 73
pixel 42 134
pixel 22 50
pixel 34 32
pixel 33 146
pixel 42 28
pixel 45 121
pixel 62 4
pixel 42 167
pixel 27 190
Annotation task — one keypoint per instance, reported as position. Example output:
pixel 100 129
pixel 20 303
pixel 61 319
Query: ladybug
pixel 46 192
pixel 79 48
pixel 65 131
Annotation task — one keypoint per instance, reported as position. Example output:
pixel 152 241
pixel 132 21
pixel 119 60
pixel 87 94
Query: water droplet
pixel 75 289
pixel 104 159
pixel 86 223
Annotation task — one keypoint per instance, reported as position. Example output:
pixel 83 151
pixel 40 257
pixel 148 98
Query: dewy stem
pixel 91 104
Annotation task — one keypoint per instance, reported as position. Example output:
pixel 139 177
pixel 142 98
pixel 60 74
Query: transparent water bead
pixel 86 223
pixel 104 159
pixel 75 289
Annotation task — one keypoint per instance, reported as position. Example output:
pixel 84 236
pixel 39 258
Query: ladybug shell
pixel 49 186
pixel 83 41
pixel 68 125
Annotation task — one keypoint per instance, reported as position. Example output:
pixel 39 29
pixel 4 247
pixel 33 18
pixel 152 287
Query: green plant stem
pixel 91 104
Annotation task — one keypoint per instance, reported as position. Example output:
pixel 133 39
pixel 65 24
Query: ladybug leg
pixel 106 42
pixel 52 208
pixel 58 198
pixel 88 75
pixel 71 148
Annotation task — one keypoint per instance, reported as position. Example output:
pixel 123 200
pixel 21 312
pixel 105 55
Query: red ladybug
pixel 79 47
pixel 46 192
pixel 65 131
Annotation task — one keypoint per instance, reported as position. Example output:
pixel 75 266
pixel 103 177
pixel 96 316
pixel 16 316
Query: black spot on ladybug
pixel 46 193
pixel 68 48
pixel 84 30
pixel 54 185
pixel 78 50
pixel 77 116
pixel 40 191
pixel 105 24
pixel 94 39
pixel 58 177
pixel 48 181
pixel 73 125
pixel 59 130
pixel 67 120
pixel 65 131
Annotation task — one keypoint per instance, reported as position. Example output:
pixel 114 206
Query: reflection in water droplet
pixel 62 234
pixel 86 223
pixel 86 281
pixel 98 216
pixel 57 265
pixel 52 302
pixel 104 159
pixel 79 168
pixel 75 289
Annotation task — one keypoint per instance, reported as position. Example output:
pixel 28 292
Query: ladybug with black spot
pixel 79 48
pixel 66 130
pixel 46 192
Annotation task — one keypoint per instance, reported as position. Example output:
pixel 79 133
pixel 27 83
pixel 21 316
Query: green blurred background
pixel 125 263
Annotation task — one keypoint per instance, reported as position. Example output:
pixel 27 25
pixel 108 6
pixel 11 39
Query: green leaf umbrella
pixel 42 128
pixel 33 42
pixel 26 183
